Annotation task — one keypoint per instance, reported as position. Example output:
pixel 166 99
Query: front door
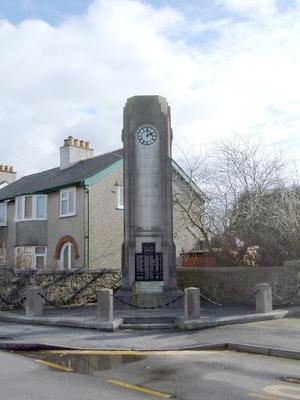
pixel 67 256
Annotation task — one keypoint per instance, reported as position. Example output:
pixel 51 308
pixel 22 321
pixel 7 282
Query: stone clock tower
pixel 149 264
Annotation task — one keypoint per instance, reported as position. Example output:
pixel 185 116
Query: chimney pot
pixel 7 174
pixel 73 151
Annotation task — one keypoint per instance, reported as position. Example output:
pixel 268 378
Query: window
pixel 28 207
pixel 24 256
pixel 40 206
pixel 31 207
pixel 120 200
pixel 3 219
pixel 39 257
pixel 31 257
pixel 68 202
pixel 19 206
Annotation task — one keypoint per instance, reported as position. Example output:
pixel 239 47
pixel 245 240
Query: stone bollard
pixel 263 298
pixel 191 303
pixel 34 301
pixel 105 305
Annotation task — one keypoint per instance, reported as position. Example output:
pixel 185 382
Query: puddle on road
pixel 90 361
pixel 87 364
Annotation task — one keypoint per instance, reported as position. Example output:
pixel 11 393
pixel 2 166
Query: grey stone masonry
pixel 105 305
pixel 263 298
pixel 148 217
pixel 34 302
pixel 191 303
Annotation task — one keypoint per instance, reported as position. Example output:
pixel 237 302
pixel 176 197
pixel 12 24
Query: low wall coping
pixel 236 269
pixel 18 271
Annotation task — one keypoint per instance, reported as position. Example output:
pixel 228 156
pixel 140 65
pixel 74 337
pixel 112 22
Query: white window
pixel 19 208
pixel 120 199
pixel 68 202
pixel 3 212
pixel 40 210
pixel 31 257
pixel 23 257
pixel 31 207
pixel 40 257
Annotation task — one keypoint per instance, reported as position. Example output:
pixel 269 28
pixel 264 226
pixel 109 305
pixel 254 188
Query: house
pixel 71 216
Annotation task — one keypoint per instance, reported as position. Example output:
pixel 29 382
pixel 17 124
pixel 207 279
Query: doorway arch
pixel 67 256
pixel 66 252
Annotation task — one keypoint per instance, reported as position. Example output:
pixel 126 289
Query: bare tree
pixel 248 212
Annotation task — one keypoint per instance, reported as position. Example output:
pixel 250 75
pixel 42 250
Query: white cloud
pixel 74 78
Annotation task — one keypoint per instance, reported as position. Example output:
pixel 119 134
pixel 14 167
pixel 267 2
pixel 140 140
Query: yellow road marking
pixel 140 389
pixel 130 352
pixel 53 365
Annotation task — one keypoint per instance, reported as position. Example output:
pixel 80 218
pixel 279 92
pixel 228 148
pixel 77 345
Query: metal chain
pixel 16 303
pixel 148 308
pixel 211 301
pixel 69 299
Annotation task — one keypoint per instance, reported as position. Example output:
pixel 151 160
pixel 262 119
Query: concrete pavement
pixel 279 334
pixel 85 317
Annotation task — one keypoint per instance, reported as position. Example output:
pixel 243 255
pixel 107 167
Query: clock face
pixel 147 135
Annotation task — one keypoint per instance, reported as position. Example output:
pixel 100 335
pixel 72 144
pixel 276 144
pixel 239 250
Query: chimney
pixel 7 174
pixel 74 150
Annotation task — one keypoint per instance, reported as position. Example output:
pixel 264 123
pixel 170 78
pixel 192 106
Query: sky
pixel 226 67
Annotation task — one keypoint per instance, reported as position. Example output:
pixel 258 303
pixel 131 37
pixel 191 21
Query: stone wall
pixel 60 288
pixel 227 285
pixel 233 285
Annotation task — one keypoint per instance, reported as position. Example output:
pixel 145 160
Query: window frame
pixel 68 191
pixel 35 255
pixel 4 205
pixel 20 201
pixel 120 198
pixel 30 251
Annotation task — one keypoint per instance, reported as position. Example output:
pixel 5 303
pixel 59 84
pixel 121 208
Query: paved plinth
pixel 34 302
pixel 263 298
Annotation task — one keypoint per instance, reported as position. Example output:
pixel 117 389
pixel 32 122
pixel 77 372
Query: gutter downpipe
pixel 87 233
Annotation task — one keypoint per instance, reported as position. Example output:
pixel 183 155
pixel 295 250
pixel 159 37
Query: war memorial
pixel 148 264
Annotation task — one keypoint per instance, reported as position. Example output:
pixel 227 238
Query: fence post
pixel 34 301
pixel 263 298
pixel 105 304
pixel 191 303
